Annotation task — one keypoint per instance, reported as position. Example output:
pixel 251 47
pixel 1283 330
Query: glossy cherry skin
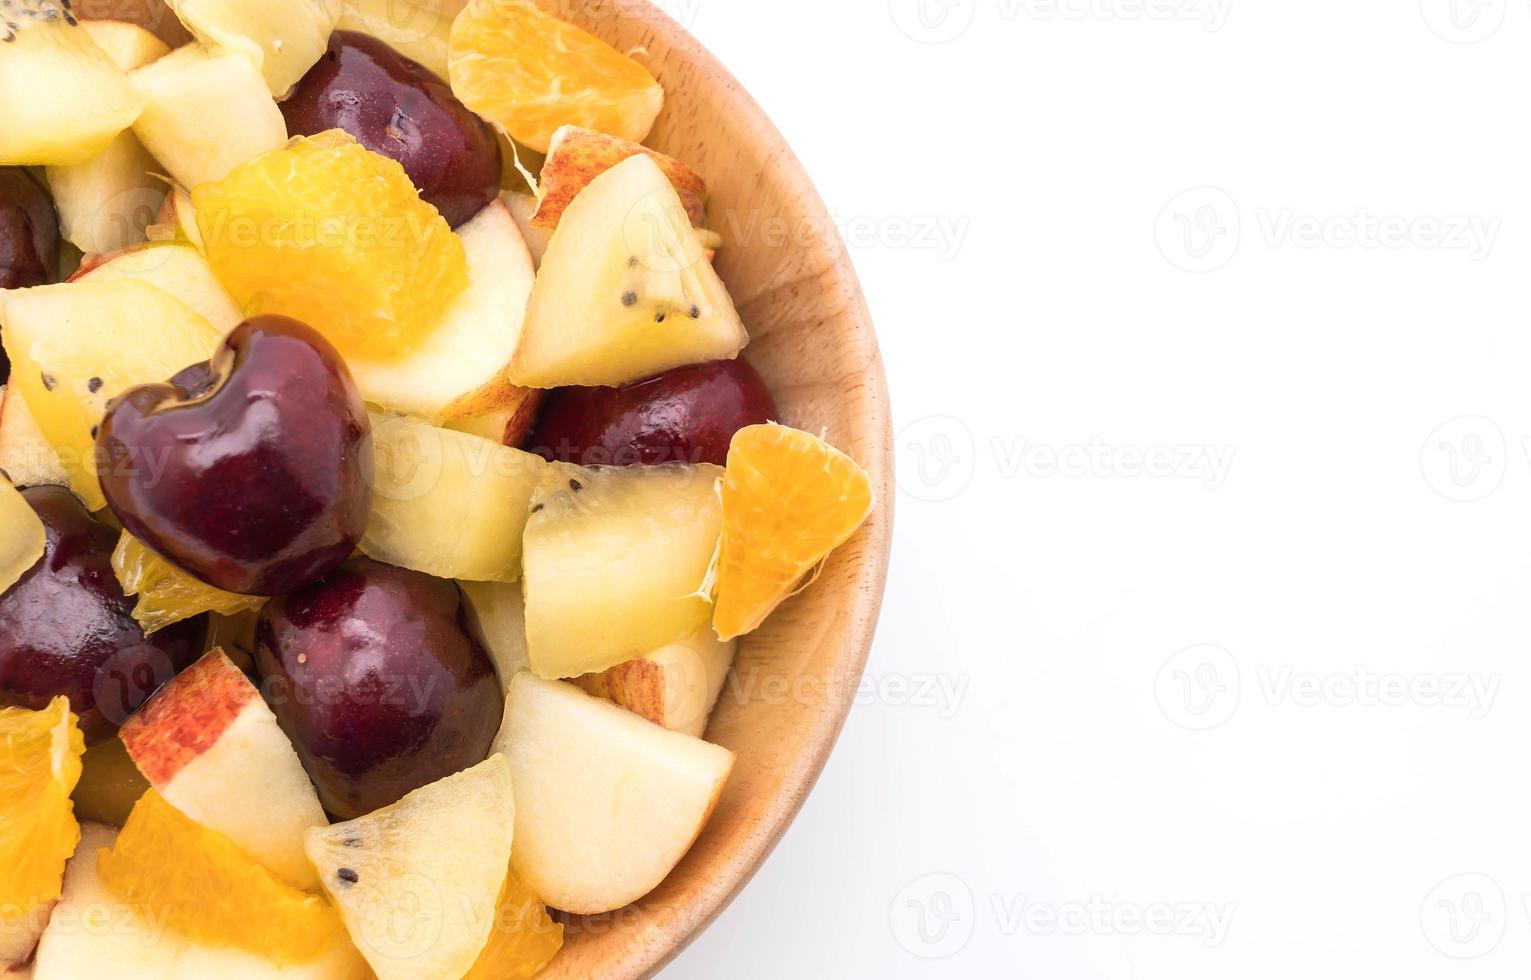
pixel 683 416
pixel 251 471
pixel 67 629
pixel 374 676
pixel 28 237
pixel 400 109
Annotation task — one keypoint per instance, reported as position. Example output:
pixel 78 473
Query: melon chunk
pixel 74 346
pixel 107 202
pixel 447 503
pixel 281 38
pixel 205 113
pixel 624 291
pixel 62 98
pixel 614 563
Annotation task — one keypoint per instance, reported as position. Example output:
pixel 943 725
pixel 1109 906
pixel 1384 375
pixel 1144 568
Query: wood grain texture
pixel 796 678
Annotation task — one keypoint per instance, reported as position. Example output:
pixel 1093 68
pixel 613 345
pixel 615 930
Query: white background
pixel 1283 701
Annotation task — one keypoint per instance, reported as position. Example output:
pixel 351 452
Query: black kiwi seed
pixel 629 298
pixel 696 312
pixel 347 876
pixel 576 486
pixel 48 381
pixel 658 317
pixel 94 384
pixel 538 508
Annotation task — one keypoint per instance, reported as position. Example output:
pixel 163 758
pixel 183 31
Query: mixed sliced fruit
pixel 376 537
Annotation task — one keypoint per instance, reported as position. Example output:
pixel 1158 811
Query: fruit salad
pixel 388 493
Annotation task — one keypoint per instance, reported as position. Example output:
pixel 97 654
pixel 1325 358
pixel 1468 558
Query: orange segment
pixel 39 766
pixel 529 73
pixel 524 938
pixel 328 232
pixel 211 891
pixel 166 594
pixel 789 499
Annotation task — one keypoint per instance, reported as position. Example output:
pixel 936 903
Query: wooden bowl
pixel 812 339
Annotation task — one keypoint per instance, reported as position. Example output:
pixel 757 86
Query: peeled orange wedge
pixel 39 766
pixel 789 499
pixel 211 891
pixel 325 231
pixel 524 938
pixel 529 73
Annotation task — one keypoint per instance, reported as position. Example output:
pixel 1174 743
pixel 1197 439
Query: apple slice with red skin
pixel 577 156
pixel 251 471
pixel 211 746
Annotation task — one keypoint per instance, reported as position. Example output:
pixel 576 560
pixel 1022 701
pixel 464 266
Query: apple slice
pixel 606 802
pixel 497 619
pixel 447 503
pixel 675 686
pixel 614 563
pixel 522 206
pixel 508 426
pixel 624 291
pixel 205 113
pixel 577 156
pixel 417 883
pixel 178 269
pixel 62 98
pixel 177 221
pixel 22 537
pixel 281 38
pixel 418 32
pixel 107 202
pixel 74 346
pixel 25 454
pixel 211 746
pixel 92 933
pixel 460 370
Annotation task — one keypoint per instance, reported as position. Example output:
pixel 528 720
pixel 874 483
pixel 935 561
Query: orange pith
pixel 529 73
pixel 524 938
pixel 39 766
pixel 329 233
pixel 789 499
pixel 209 890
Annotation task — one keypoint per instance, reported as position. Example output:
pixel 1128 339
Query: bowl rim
pixel 676 932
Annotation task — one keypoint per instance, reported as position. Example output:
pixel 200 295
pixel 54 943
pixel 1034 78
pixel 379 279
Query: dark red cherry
pixel 683 416
pixel 67 629
pixel 374 676
pixel 251 471
pixel 28 237
pixel 398 108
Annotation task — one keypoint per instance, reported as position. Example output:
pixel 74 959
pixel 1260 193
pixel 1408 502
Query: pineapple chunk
pixel 205 113
pixel 75 346
pixel 447 503
pixel 62 98
pixel 26 456
pixel 624 291
pixel 614 563
pixel 107 202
